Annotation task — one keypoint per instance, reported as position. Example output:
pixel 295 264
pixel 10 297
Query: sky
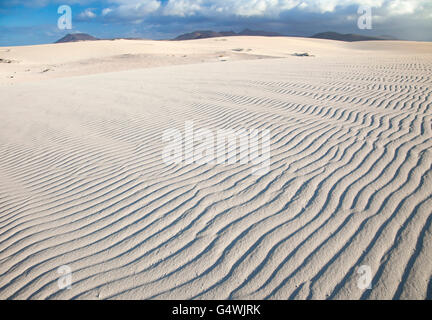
pixel 28 22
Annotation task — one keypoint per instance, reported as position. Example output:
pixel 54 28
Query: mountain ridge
pixel 348 37
pixel 204 34
pixel 75 37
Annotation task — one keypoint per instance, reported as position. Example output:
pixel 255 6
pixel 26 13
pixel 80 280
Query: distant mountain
pixel 203 34
pixel 74 37
pixel 350 37
pixel 247 32
pixel 212 34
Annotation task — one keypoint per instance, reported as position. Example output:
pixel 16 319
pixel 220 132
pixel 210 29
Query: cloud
pixel 132 10
pixel 183 8
pixel 398 7
pixel 106 11
pixel 87 14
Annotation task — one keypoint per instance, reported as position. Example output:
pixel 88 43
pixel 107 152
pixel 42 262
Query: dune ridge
pixel 350 181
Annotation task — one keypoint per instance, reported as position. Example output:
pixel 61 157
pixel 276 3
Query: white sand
pixel 83 183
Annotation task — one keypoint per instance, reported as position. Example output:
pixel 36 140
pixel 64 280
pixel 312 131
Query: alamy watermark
pixel 364 282
pixel 65 279
pixel 365 19
pixel 222 147
pixel 64 22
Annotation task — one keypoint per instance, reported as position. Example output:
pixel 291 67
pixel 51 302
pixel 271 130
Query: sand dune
pixel 41 62
pixel 83 183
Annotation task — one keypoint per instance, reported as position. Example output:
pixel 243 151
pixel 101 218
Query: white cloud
pixel 398 7
pixel 183 8
pixel 87 14
pixel 135 10
pixel 106 11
